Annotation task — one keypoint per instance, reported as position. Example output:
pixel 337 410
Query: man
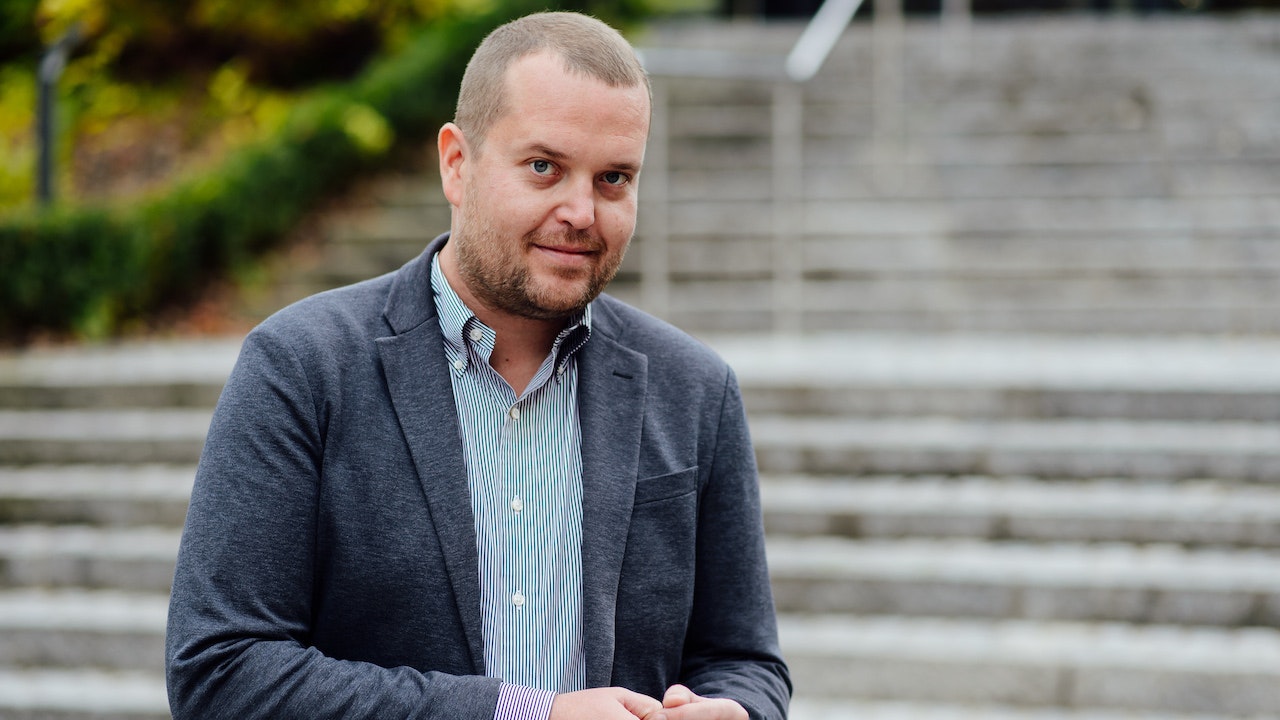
pixel 475 488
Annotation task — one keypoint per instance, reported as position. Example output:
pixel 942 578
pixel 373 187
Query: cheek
pixel 617 221
pixel 505 211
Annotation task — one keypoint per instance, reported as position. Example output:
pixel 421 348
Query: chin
pixel 561 305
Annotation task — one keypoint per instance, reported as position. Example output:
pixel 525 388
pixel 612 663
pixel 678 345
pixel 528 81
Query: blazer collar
pixel 410 303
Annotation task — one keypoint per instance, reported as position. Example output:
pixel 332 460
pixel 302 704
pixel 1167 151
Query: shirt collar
pixel 456 317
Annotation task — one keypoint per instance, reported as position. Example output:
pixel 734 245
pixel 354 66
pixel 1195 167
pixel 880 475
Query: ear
pixel 453 151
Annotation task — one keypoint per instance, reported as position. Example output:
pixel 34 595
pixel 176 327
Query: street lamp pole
pixel 52 63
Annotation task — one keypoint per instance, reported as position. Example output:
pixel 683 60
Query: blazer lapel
pixel 422 395
pixel 611 388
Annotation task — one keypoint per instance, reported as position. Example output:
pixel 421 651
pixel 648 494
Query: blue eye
pixel 541 167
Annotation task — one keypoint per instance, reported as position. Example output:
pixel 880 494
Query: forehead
pixel 548 104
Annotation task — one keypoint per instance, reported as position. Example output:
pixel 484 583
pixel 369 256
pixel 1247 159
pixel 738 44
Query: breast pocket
pixel 655 594
pixel 666 487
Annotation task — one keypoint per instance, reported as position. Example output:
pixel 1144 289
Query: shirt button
pixel 518 599
pixel 560 369
pixel 515 413
pixel 459 365
pixel 517 504
pixel 476 334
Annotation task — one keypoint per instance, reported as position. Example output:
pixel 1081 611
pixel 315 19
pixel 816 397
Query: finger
pixel 678 695
pixel 705 709
pixel 639 705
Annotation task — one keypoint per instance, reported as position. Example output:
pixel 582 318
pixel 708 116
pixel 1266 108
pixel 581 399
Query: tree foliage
pixel 94 269
pixel 284 42
pixel 279 42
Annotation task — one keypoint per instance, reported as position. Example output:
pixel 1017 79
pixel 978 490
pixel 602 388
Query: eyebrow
pixel 553 154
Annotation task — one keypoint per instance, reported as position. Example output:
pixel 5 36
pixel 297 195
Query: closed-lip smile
pixel 566 250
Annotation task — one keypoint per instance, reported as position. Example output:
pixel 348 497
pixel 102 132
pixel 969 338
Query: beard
pixel 497 271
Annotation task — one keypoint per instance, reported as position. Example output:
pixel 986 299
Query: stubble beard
pixel 498 276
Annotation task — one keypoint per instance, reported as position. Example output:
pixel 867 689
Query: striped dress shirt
pixel 524 468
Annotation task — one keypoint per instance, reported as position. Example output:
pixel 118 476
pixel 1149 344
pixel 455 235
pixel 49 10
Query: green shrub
pixel 91 270
pixel 18 36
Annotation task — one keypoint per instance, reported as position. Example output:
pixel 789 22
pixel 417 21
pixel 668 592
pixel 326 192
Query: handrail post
pixel 655 251
pixel 788 215
pixel 957 26
pixel 957 13
pixel 888 39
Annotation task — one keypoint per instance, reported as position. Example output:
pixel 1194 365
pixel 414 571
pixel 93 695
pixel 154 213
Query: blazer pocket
pixel 665 487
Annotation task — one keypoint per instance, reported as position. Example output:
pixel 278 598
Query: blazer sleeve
pixel 731 648
pixel 239 619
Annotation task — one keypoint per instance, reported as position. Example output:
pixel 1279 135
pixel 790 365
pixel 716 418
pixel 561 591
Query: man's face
pixel 545 209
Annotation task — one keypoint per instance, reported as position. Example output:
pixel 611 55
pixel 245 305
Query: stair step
pixel 977 216
pixel 96 495
pixel 929 181
pixel 1047 256
pixel 182 374
pixel 806 709
pixel 102 436
pixel 1189 145
pixel 1016 400
pixel 1191 513
pixel 123 363
pixel 78 628
pixel 1191 363
pixel 133 558
pixel 1046 448
pixel 971 578
pixel 746 312
pixel 159 394
pixel 1198 375
pixel 1038 664
pixel 943 302
pixel 44 694
pixel 1009 376
pixel 395 225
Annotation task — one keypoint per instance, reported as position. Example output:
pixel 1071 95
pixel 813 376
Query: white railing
pixel 787 74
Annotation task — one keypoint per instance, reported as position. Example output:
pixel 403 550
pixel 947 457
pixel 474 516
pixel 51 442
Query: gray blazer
pixel 329 569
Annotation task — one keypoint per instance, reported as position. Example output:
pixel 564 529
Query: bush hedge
pixel 88 271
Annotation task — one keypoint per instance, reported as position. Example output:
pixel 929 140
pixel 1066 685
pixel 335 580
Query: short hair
pixel 585 44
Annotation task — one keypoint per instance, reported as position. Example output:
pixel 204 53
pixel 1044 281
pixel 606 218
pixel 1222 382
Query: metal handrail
pixel 799 65
pixel 819 38
pixel 787 75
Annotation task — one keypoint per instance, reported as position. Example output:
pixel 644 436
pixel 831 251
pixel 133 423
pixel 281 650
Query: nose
pixel 577 207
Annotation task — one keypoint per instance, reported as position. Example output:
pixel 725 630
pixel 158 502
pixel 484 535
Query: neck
pixel 520 347
pixel 520 343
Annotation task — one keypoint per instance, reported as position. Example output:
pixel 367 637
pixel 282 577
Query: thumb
pixel 637 704
pixel 678 695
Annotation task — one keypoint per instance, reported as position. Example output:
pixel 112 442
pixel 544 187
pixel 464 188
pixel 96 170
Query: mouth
pixel 569 253
pixel 560 250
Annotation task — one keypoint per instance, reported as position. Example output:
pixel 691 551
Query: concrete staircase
pixel 1064 174
pixel 959 526
pixel 1022 526
pixel 1023 463
pixel 97 453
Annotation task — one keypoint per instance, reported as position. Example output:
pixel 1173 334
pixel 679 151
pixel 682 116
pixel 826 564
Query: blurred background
pixel 1000 280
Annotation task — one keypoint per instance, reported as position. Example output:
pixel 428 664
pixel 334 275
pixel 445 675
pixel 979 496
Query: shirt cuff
pixel 518 702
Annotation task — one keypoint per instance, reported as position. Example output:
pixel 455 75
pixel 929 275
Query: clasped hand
pixel 613 703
